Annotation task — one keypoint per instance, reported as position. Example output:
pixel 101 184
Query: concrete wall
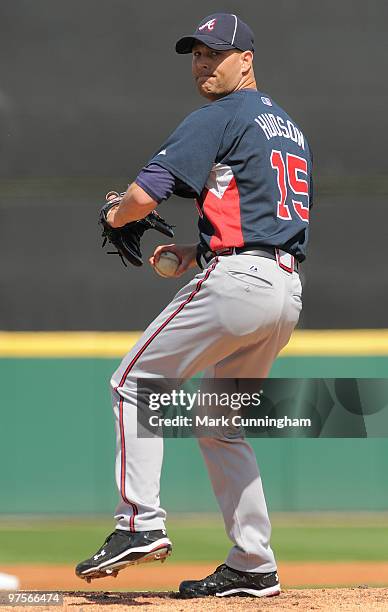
pixel 90 89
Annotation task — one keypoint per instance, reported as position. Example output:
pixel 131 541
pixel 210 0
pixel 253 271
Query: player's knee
pixel 120 377
pixel 118 382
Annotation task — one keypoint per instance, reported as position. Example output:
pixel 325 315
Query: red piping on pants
pixel 135 510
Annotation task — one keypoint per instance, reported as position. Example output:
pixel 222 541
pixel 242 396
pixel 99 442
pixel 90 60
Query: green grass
pixel 196 539
pixel 331 544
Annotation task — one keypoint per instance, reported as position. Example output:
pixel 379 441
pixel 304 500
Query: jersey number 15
pixel 288 174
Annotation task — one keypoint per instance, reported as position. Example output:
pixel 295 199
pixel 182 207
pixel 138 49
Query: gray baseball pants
pixel 230 321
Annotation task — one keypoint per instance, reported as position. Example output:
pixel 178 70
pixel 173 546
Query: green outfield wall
pixel 57 445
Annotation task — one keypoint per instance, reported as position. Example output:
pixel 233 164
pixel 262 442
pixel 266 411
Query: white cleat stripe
pixel 274 590
pixel 141 549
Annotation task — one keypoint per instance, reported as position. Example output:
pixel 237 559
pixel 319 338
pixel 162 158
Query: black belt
pixel 268 252
pixel 262 251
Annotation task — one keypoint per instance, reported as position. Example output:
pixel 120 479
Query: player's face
pixel 216 73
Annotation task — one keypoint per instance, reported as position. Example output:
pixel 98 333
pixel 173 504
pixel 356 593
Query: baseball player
pixel 248 167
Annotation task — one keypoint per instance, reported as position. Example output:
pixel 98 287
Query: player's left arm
pixel 134 205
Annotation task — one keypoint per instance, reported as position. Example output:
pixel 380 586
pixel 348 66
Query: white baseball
pixel 167 265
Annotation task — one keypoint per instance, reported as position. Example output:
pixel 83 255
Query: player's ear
pixel 246 60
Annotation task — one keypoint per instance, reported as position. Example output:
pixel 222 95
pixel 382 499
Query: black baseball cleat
pixel 122 548
pixel 226 581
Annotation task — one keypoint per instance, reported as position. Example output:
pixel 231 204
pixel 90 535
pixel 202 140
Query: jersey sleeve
pixel 158 182
pixel 190 151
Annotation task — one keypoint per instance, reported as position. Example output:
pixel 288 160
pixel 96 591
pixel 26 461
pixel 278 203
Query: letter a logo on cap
pixel 209 25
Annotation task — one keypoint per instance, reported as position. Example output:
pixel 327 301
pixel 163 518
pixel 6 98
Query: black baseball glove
pixel 126 239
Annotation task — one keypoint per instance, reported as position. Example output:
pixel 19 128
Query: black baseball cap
pixel 220 31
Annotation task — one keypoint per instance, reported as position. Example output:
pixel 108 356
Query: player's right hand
pixel 186 254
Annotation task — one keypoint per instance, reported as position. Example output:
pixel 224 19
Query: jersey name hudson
pixel 276 126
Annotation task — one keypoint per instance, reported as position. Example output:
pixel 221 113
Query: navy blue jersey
pixel 249 166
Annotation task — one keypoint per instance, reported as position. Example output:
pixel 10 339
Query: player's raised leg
pixel 184 338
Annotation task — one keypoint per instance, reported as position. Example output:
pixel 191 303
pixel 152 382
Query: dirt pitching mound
pixel 351 599
pixel 168 577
